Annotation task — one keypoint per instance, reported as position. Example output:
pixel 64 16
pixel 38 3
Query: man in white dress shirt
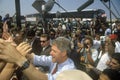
pixel 58 56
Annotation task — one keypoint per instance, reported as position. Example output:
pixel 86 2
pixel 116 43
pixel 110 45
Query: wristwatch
pixel 25 65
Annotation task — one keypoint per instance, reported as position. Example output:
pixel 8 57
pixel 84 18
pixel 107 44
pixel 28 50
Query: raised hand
pixel 24 48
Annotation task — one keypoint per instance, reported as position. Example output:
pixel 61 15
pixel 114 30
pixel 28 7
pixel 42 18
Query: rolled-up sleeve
pixel 42 60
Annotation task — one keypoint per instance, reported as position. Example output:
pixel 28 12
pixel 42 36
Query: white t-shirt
pixel 102 62
pixel 117 47
pixel 96 44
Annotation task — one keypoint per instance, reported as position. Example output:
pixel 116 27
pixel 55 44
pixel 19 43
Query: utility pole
pixel 110 13
pixel 18 14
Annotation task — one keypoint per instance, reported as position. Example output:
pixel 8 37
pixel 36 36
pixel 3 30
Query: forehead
pixel 87 40
pixel 55 48
pixel 52 32
pixel 43 38
pixel 114 61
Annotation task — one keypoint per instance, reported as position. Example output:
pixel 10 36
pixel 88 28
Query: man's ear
pixel 64 53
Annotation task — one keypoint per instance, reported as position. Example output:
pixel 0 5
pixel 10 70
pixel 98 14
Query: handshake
pixel 12 53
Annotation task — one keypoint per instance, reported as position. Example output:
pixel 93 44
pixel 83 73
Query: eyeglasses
pixel 42 41
pixel 52 34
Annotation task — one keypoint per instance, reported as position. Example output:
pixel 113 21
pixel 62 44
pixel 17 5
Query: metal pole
pixel 109 9
pixel 18 14
pixel 110 13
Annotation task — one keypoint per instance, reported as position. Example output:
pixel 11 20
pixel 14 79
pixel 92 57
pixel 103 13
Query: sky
pixel 8 6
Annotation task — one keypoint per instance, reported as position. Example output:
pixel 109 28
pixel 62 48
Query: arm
pixel 89 55
pixel 80 47
pixel 78 50
pixel 2 65
pixel 7 72
pixel 10 54
pixel 5 27
pixel 8 69
pixel 90 58
pixel 90 67
pixel 31 72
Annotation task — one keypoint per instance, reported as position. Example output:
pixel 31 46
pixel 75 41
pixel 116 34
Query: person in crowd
pixel 109 74
pixel 89 53
pixel 117 43
pixel 7 16
pixel 67 34
pixel 45 44
pixel 58 60
pixel 105 55
pixel 52 34
pixel 113 63
pixel 107 49
pixel 75 39
pixel 29 36
pixel 117 29
pixel 108 30
pixel 45 50
pixel 36 47
pixel 97 42
pixel 8 20
pixel 80 46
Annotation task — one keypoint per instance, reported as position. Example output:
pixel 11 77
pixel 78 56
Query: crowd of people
pixel 65 49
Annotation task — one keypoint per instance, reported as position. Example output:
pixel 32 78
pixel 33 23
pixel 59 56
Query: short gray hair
pixel 63 44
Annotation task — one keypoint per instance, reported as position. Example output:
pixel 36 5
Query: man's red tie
pixel 55 69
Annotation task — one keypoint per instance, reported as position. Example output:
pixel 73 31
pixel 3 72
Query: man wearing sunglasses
pixel 45 50
pixel 45 44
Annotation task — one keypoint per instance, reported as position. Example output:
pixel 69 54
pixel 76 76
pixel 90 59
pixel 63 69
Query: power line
pixel 109 9
pixel 63 8
pixel 118 2
pixel 115 8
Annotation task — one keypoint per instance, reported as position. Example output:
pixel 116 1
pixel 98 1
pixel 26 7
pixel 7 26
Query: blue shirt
pixel 47 61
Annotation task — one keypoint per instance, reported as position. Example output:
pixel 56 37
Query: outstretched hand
pixel 8 52
pixel 24 48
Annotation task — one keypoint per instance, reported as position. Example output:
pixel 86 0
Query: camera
pixel 86 45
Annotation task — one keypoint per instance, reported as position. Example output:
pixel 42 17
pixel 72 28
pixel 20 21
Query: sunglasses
pixel 52 34
pixel 42 41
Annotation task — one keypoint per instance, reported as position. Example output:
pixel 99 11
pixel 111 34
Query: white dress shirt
pixel 47 61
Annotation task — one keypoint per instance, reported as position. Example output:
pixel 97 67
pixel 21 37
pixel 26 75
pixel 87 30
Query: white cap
pixel 73 75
